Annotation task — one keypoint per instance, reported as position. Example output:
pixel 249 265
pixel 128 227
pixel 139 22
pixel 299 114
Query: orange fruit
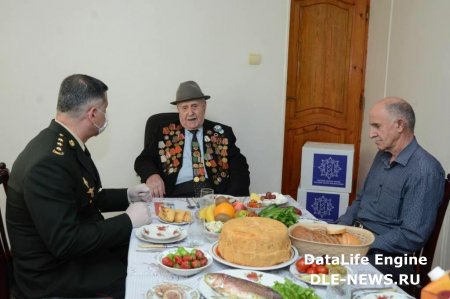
pixel 224 208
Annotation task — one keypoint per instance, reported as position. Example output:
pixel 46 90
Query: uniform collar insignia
pixel 58 150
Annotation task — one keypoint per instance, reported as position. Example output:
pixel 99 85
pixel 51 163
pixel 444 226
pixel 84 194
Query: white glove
pixel 139 214
pixel 139 193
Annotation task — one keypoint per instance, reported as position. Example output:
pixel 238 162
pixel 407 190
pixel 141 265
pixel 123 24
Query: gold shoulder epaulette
pixel 58 150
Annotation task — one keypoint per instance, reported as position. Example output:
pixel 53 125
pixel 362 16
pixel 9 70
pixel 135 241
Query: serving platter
pixel 279 199
pixel 174 223
pixel 324 279
pixel 294 256
pixel 143 237
pixel 265 279
pixel 185 291
pixel 160 231
pixel 382 294
pixel 231 198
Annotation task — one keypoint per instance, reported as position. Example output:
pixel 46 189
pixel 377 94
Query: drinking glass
pixel 206 197
pixel 206 191
pixel 339 288
pixel 195 232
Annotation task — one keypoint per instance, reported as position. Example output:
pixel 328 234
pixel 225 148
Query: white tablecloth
pixel 144 272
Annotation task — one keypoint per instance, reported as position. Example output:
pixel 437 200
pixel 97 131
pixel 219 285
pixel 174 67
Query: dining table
pixel 144 272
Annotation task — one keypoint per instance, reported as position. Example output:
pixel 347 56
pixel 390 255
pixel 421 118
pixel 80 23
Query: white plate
pixel 280 199
pixel 183 234
pixel 265 279
pixel 294 255
pixel 306 277
pixel 231 198
pixel 174 223
pixel 187 291
pixel 160 231
pixel 379 294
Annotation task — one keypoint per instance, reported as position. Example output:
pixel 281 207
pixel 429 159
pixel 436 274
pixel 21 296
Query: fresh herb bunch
pixel 287 215
pixel 290 290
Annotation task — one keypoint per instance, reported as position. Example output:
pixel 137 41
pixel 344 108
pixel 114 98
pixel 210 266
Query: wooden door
pixel 325 85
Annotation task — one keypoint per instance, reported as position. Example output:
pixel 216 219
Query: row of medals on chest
pixel 170 155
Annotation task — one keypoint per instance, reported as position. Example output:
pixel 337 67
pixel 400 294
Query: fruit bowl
pixel 180 271
pixel 254 206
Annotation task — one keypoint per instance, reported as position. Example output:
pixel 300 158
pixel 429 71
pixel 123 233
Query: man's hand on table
pixel 156 185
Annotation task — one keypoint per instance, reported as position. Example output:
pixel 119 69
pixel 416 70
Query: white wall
pixel 409 56
pixel 143 49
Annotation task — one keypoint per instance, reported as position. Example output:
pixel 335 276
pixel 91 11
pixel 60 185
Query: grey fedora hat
pixel 188 91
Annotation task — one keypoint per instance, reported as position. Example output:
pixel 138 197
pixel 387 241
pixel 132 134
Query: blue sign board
pixel 329 170
pixel 324 206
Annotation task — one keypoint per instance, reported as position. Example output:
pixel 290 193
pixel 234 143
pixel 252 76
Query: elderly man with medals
pixel 184 152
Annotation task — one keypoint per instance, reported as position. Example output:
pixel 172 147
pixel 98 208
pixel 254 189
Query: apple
pixel 241 213
pixel 238 206
pixel 252 214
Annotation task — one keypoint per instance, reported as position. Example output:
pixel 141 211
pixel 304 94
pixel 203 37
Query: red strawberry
pixel 188 257
pixel 203 261
pixel 185 265
pixel 177 259
pixel 196 264
pixel 167 262
pixel 199 254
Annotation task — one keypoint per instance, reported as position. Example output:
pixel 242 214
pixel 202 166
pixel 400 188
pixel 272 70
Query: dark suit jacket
pixel 61 244
pixel 226 167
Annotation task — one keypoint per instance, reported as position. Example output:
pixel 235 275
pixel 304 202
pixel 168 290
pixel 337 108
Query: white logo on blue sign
pixel 330 170
pixel 323 206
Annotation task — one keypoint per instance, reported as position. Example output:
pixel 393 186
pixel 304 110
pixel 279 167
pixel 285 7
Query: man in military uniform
pixel 61 244
pixel 184 152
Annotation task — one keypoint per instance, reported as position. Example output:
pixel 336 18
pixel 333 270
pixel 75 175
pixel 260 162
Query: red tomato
pixel 217 251
pixel 177 259
pixel 167 262
pixel 300 265
pixel 196 264
pixel 199 254
pixel 185 265
pixel 322 269
pixel 188 258
pixel 313 265
pixel 311 270
pixel 253 276
pixel 203 261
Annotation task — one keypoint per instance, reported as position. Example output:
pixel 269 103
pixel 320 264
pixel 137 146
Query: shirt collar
pixel 199 130
pixel 404 155
pixel 73 134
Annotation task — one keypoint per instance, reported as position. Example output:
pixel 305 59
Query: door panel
pixel 327 52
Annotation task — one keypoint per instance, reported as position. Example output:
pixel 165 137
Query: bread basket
pixel 319 248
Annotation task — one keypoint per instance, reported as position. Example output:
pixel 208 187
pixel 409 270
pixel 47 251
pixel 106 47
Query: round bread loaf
pixel 254 242
pixel 349 239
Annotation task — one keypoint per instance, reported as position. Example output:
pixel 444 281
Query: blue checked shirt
pixel 399 201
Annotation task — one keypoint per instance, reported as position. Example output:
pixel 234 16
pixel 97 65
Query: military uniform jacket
pixel 61 244
pixel 226 167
